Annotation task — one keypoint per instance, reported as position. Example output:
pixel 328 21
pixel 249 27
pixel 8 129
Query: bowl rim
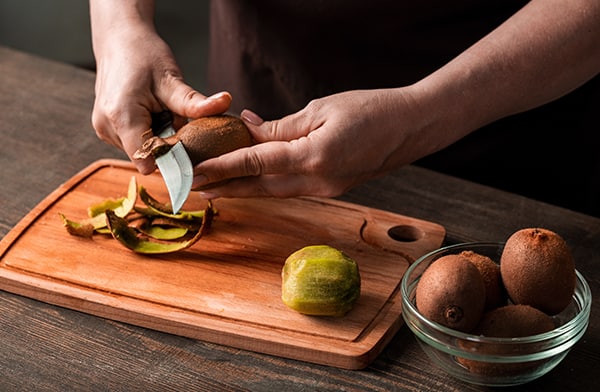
pixel 580 320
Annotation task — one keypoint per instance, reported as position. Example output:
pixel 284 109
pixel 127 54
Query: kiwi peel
pixel 152 229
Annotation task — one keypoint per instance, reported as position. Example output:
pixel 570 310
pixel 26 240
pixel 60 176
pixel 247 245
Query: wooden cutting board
pixel 226 288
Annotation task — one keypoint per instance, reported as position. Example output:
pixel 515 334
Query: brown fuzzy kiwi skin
pixel 513 321
pixel 451 292
pixel 538 269
pixel 495 295
pixel 202 138
pixel 509 321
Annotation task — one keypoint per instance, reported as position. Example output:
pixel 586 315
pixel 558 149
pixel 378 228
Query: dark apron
pixel 274 56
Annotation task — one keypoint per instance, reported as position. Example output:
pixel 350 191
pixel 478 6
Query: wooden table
pixel 46 137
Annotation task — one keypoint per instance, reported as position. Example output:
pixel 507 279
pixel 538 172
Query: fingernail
pixel 207 195
pixel 217 96
pixel 251 117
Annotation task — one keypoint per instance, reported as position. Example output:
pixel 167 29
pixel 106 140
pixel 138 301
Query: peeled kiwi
pixel 538 269
pixel 451 292
pixel 495 295
pixel 320 280
pixel 202 138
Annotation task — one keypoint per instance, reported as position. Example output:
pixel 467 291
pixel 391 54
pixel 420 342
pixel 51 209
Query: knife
pixel 175 165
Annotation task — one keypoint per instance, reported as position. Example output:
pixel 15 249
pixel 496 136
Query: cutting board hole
pixel 405 233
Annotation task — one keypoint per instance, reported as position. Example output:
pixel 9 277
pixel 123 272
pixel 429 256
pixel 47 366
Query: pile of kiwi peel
pixel 469 292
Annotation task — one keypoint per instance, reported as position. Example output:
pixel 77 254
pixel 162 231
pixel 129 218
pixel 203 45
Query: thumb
pixel 189 103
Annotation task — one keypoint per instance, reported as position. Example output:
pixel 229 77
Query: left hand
pixel 331 145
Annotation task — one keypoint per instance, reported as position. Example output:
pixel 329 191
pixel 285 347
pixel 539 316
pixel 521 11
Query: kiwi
pixel 202 138
pixel 320 280
pixel 513 321
pixel 495 295
pixel 509 321
pixel 538 269
pixel 451 292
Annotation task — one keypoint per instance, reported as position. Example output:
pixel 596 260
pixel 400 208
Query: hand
pixel 331 145
pixel 138 76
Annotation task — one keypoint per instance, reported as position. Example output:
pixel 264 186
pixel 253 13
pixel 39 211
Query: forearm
pixel 112 18
pixel 543 52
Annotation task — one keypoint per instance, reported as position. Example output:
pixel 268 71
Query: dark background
pixel 564 130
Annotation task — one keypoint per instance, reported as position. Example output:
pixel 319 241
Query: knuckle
pixel 274 130
pixel 168 76
pixel 313 105
pixel 101 125
pixel 253 165
pixel 189 96
pixel 168 79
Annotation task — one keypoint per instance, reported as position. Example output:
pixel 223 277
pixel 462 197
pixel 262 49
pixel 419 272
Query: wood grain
pixel 226 288
pixel 47 138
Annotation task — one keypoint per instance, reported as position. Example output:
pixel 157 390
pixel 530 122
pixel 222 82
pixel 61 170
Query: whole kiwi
pixel 512 321
pixel 495 295
pixel 451 292
pixel 538 269
pixel 509 321
pixel 202 138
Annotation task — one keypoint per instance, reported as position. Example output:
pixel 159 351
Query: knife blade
pixel 175 165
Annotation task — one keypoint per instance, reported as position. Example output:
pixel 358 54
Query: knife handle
pixel 160 121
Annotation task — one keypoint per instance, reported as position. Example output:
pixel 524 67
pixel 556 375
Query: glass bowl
pixel 493 361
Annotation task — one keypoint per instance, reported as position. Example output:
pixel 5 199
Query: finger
pixel 104 129
pixel 129 146
pixel 130 128
pixel 266 158
pixel 287 128
pixel 132 142
pixel 108 137
pixel 125 124
pixel 189 103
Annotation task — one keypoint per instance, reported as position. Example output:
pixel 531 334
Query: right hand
pixel 137 75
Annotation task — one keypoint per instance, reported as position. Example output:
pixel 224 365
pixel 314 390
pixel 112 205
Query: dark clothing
pixel 275 56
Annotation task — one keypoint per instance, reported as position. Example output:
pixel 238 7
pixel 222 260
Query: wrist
pixel 430 119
